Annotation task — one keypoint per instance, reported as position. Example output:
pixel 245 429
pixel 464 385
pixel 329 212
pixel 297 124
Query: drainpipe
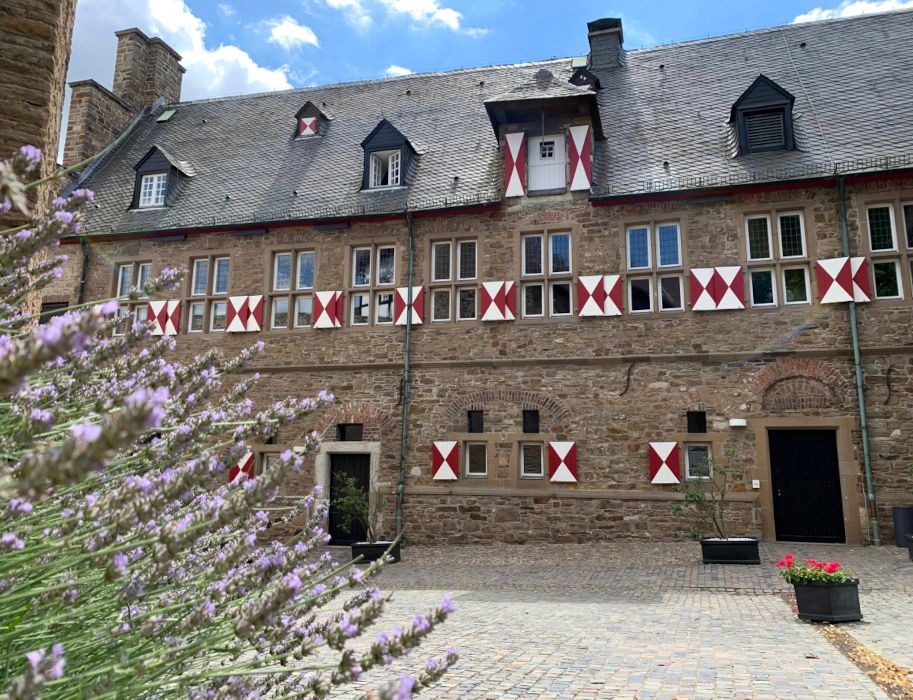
pixel 404 430
pixel 85 271
pixel 860 385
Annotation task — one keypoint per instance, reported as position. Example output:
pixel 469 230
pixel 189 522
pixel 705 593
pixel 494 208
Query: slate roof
pixel 665 114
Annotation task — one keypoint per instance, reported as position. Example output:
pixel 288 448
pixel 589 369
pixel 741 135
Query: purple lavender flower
pixel 404 691
pixel 32 153
pixel 10 541
pixel 447 604
pixel 86 432
pixel 420 622
pixel 292 582
pixel 41 415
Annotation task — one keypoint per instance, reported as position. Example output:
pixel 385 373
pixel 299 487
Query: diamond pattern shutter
pixel 515 165
pixel 843 279
pixel 245 465
pixel 401 301
pixel 255 313
pixel 579 155
pixel 562 462
pixel 613 303
pixel 498 301
pixel 445 460
pixel 860 268
pixel 702 289
pixel 664 463
pixel 328 309
pixel 591 295
pixel 236 315
pixel 717 288
pixel 165 315
pixel 307 126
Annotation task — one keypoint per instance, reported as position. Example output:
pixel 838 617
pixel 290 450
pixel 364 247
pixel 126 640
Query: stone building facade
pixel 561 425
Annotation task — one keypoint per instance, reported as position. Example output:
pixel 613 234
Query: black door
pixel 805 479
pixel 359 468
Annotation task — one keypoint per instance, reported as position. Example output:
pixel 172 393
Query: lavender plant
pixel 129 567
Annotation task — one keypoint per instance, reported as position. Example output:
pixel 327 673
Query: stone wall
pixel 96 115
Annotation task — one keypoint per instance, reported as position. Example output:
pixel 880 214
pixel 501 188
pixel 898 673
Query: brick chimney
pixel 144 70
pixel 606 41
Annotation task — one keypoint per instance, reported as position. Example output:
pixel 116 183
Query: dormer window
pixel 310 121
pixel 385 169
pixel 763 117
pixel 152 190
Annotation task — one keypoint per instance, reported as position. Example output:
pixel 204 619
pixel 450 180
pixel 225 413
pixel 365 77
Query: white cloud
pixel 424 13
pixel 355 13
pixel 396 71
pixel 853 8
pixel 286 32
pixel 226 9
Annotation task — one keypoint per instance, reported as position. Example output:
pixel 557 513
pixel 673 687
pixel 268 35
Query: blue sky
pixel 239 46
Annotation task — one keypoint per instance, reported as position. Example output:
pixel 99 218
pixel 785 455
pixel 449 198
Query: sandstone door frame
pixel 330 447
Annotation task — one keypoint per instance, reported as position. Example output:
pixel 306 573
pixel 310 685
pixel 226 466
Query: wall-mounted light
pixel 738 423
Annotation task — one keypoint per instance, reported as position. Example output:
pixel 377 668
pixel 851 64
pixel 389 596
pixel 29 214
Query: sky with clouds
pixel 232 47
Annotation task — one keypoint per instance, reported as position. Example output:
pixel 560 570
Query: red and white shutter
pixel 591 295
pixel 401 301
pixel 327 309
pixel 861 291
pixel 729 288
pixel 166 315
pixel 579 157
pixel 445 460
pixel 255 313
pixel 236 315
pixel 702 289
pixel 515 165
pixel 843 279
pixel 613 302
pixel 245 465
pixel 307 126
pixel 562 462
pixel 498 301
pixel 664 468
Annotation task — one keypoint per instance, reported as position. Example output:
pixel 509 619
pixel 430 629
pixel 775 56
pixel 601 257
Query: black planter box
pixel 740 551
pixel 373 551
pixel 828 602
pixel 903 524
pixel 910 545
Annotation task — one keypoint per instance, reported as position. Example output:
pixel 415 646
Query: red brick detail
pixel 796 383
pixel 376 421
pixel 524 399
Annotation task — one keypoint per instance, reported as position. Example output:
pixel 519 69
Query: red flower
pixel 832 567
pixel 789 560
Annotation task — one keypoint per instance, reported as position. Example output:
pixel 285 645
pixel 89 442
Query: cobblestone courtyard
pixel 644 620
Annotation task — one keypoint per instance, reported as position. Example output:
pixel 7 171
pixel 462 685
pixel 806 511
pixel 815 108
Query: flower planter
pixel 910 545
pixel 828 602
pixel 736 550
pixel 903 524
pixel 373 551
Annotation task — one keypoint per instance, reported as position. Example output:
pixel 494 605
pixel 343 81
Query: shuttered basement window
pixel 764 131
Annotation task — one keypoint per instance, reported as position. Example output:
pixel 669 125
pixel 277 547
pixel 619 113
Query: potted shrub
pixel 353 506
pixel 705 497
pixel 903 520
pixel 825 591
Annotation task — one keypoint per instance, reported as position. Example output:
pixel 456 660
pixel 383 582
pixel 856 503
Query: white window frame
pixel 907 244
pixel 194 274
pixel 657 248
pixel 296 299
pixel 523 239
pixel 551 261
pixel 631 309
pixel 300 257
pixel 394 171
pixel 139 277
pixel 523 474
pixel 659 295
pixel 212 315
pixel 215 275
pixel 272 313
pixel 475 260
pixel 466 447
pixel 366 293
pixel 649 265
pixel 808 291
pixel 475 305
pixel 898 275
pixel 276 287
pixel 801 215
pixel 868 230
pixel 434 245
pixel 202 305
pixel 128 268
pixel 551 299
pixel 523 312
pixel 369 277
pixel 157 189
pixel 377 281
pixel 773 286
pixel 770 243
pixel 695 477
pixel 448 292
pixel 375 302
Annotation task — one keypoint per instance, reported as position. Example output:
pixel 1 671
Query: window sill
pixel 546 193
pixel 390 188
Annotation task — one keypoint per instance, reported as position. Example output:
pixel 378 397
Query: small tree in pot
pixel 352 506
pixel 705 498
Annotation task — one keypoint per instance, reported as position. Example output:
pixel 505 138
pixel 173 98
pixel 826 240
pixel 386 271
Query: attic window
pixel 763 117
pixel 307 126
pixel 765 131
pixel 152 190
pixel 385 169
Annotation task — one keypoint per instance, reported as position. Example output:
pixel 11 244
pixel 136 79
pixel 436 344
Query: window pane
pixel 143 273
pixel 880 234
pixel 200 275
pixel 531 459
pixel 561 253
pixel 530 420
pixel 532 300
pixel 362 267
pixel 361 308
pixel 466 304
pixel 218 316
pixel 638 248
pixel 758 239
pixel 220 280
pixel 441 255
pixel 467 260
pixel 475 421
pixel 124 280
pixel 385 265
pixel 283 271
pixel 139 313
pixel 639 291
pixel 762 287
pixel 796 289
pixel 197 309
pixel 667 236
pixel 440 306
pixel 670 293
pixel 532 255
pixel 304 312
pixel 306 270
pixel 791 236
pixel 384 308
pixel 561 299
pixel 697 459
pixel 280 312
pixel 123 318
pixel 394 168
pixel 908 223
pixel 476 459
pixel 887 284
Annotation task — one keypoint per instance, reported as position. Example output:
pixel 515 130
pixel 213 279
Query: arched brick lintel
pixel 796 383
pixel 524 399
